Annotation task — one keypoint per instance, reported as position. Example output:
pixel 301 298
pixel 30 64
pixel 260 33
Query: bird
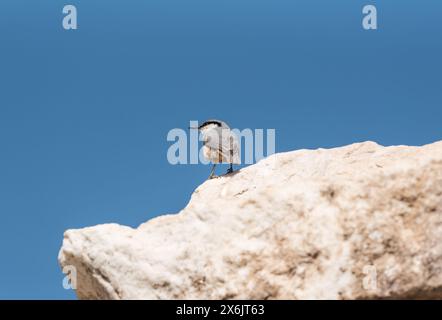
pixel 220 144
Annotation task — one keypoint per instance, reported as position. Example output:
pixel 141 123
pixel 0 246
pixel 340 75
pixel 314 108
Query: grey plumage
pixel 224 142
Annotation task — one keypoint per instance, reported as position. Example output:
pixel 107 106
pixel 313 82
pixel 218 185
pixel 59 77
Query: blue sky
pixel 84 114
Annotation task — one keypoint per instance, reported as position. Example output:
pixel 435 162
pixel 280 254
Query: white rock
pixel 360 221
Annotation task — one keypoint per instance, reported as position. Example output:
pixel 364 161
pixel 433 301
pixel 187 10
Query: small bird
pixel 220 144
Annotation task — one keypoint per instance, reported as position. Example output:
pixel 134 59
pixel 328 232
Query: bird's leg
pixel 230 170
pixel 212 173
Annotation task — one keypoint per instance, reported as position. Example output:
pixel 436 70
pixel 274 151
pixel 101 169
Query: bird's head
pixel 211 124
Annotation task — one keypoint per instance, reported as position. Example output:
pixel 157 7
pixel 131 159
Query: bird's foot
pixel 212 176
pixel 230 170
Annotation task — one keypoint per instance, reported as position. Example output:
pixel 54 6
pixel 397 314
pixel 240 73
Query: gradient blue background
pixel 84 114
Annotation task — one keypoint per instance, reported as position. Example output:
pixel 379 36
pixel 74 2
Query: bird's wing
pixel 224 141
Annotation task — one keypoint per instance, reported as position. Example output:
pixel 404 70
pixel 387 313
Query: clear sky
pixel 84 114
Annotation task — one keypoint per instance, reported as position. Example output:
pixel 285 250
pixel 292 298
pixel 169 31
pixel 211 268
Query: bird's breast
pixel 212 155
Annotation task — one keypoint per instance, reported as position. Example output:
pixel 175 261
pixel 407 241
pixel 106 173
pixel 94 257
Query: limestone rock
pixel 356 222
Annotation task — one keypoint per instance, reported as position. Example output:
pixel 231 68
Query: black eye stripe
pixel 209 122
